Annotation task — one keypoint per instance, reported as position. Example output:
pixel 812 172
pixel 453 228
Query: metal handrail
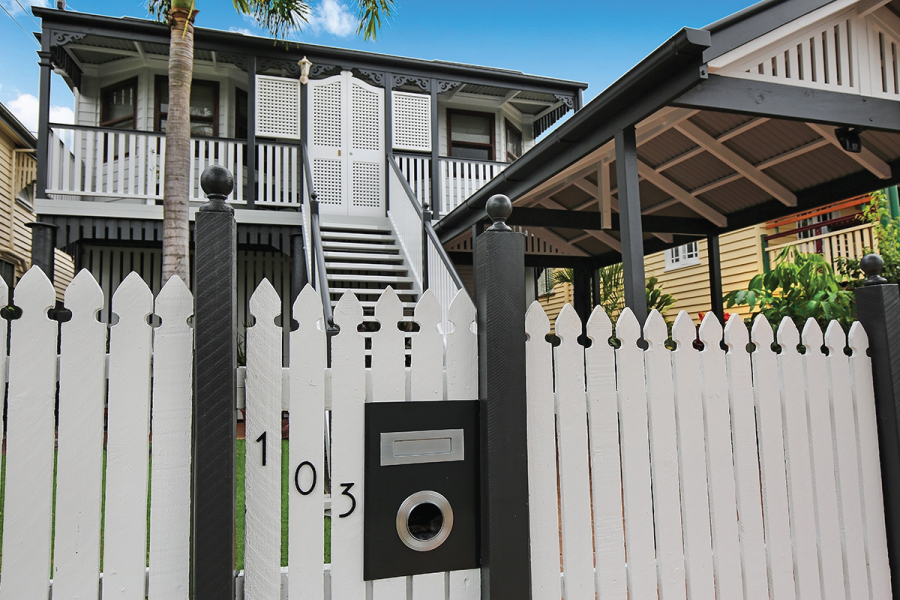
pixel 318 254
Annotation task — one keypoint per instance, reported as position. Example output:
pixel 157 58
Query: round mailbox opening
pixel 424 520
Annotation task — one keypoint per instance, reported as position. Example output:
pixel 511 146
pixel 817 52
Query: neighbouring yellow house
pixel 835 230
pixel 17 175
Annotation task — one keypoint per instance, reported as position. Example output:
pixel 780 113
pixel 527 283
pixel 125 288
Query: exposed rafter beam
pixel 867 7
pixel 682 195
pixel 600 235
pixel 731 133
pixel 140 51
pixel 738 163
pixel 866 158
pixel 604 194
pixel 613 203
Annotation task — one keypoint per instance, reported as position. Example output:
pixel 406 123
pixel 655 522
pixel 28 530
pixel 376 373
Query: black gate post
pixel 878 310
pixel 215 316
pixel 43 244
pixel 500 299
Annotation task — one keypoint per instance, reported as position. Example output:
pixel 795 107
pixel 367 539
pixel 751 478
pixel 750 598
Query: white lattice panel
pixel 277 107
pixel 367 185
pixel 327 180
pixel 326 122
pixel 412 122
pixel 366 115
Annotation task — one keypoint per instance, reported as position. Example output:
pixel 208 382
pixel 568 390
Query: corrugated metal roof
pixel 884 145
pixel 95 58
pixel 528 109
pixel 484 90
pixel 536 96
pixel 717 123
pixel 664 148
pixel 770 139
pixel 735 196
pixel 814 168
pixel 698 171
pixel 100 41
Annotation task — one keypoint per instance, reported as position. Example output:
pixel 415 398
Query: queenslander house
pixel 375 138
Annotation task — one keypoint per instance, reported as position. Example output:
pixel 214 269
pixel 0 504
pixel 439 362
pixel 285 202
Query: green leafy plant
pixel 886 231
pixel 800 286
pixel 612 290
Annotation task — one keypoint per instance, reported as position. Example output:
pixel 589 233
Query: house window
pixel 118 105
pixel 683 256
pixel 513 142
pixel 204 106
pixel 471 134
pixel 545 282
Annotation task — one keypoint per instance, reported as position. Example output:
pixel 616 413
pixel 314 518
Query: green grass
pixel 239 507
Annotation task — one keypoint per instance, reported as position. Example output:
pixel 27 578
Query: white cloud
pixel 243 30
pixel 13 7
pixel 25 108
pixel 334 18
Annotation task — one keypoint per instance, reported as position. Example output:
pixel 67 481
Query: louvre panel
pixel 884 53
pixel 366 119
pixel 327 180
pixel 326 121
pixel 412 122
pixel 367 184
pixel 277 107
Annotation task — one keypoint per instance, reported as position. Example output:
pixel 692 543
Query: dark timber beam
pixel 714 258
pixel 776 101
pixel 250 183
pixel 435 153
pixel 592 221
pixel 43 116
pixel 542 261
pixel 630 226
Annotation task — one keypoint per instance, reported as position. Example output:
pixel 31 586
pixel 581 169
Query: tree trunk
pixel 176 194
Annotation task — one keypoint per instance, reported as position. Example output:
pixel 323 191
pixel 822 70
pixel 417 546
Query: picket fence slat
pixel 306 542
pixel 606 472
pixel 542 475
pixel 692 462
pixel 820 427
pixel 797 459
pixel 574 476
pixel 170 489
pixel 128 443
pixel 664 460
pixel 867 438
pixel 851 525
pixel 82 399
pixel 30 442
pixel 262 547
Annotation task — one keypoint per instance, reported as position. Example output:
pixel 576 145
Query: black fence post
pixel 427 215
pixel 43 244
pixel 215 316
pixel 878 310
pixel 500 299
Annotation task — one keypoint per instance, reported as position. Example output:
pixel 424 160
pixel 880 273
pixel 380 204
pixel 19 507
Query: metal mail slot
pixel 417 447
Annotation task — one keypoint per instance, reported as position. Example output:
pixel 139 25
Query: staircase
pixel 364 257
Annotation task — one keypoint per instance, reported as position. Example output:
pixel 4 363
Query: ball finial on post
pixel 498 208
pixel 217 183
pixel 872 265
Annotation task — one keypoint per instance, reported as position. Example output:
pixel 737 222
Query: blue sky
pixel 590 41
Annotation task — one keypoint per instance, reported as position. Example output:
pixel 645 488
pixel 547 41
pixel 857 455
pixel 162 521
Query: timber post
pixel 43 244
pixel 500 300
pixel 878 310
pixel 215 315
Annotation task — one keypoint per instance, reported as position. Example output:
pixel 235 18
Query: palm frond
pixel 370 13
pixel 279 17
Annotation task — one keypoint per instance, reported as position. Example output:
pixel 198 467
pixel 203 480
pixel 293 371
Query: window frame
pixel 491 147
pixel 682 260
pixel 158 114
pixel 125 83
pixel 545 280
pixel 510 125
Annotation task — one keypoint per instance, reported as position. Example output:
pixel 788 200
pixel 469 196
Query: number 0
pixel 303 492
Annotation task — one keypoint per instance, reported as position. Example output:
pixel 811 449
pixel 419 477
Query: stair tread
pixel 362 227
pixel 351 277
pixel 369 291
pixel 329 245
pixel 354 256
pixel 364 266
pixel 355 235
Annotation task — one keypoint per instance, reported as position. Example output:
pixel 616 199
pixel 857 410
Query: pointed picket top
pixel 388 309
pixel 710 332
pixel 174 303
pixel 736 335
pixel 599 327
pixel 835 339
pixel 427 313
pixel 858 340
pixel 462 311
pixel 628 330
pixel 84 297
pixel 812 336
pixel 537 324
pixel 132 292
pixel 568 325
pixel 348 313
pixel 684 332
pixel 265 303
pixel 655 330
pixel 761 333
pixel 35 292
pixel 788 336
pixel 307 307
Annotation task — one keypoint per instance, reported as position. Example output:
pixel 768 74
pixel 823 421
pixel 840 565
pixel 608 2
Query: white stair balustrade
pixel 461 178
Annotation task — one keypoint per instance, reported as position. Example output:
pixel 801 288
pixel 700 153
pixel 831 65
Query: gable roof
pixel 26 138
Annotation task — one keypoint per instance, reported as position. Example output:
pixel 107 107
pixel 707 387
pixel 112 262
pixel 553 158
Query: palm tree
pixel 278 17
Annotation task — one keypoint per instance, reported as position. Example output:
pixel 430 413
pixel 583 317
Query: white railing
pixel 441 282
pixel 462 178
pixel 24 173
pixel 92 162
pixel 407 220
pixel 417 171
pixel 846 243
pixel 279 171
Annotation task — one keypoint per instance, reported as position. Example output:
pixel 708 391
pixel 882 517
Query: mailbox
pixel 421 488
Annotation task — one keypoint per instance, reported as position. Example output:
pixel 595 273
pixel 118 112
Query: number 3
pixel 347 493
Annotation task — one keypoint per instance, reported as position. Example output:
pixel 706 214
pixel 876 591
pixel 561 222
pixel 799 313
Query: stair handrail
pixel 320 279
pixel 427 227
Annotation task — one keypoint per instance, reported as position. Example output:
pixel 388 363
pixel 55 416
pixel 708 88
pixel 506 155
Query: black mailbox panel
pixel 421 488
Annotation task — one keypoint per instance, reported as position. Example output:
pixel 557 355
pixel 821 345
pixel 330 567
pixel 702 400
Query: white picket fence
pixel 718 474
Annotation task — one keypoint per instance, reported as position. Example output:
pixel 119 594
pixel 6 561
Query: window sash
pixel 161 116
pixel 464 144
pixel 124 121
